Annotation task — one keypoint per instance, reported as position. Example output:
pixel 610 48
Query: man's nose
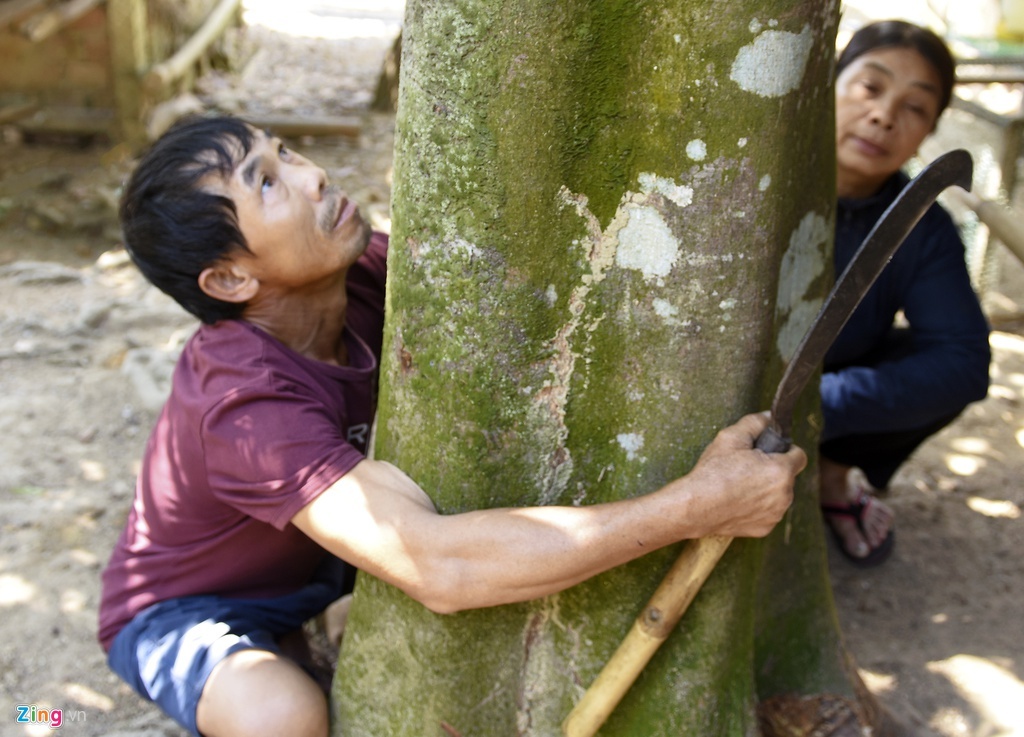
pixel 312 180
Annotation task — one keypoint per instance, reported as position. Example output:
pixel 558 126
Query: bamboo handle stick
pixel 649 631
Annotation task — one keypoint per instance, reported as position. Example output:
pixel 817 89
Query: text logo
pixel 52 718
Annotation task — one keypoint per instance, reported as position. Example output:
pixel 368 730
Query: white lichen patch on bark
pixel 632 443
pixel 697 150
pixel 677 193
pixel 427 255
pixel 646 243
pixel 774 64
pixel 667 311
pixel 802 264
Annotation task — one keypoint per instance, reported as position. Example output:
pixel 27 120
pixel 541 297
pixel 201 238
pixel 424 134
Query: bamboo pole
pixel 651 628
pixel 159 78
pixel 1001 221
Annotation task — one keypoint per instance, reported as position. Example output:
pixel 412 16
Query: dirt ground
pixel 86 349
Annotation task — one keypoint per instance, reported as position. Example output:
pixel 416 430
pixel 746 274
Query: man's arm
pixel 378 519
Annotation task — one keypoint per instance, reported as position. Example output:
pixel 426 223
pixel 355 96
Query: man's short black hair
pixel 172 228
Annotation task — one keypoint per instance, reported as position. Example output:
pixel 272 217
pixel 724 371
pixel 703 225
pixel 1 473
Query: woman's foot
pixel 861 524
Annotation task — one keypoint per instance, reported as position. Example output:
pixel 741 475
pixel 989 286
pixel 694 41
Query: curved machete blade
pixel 952 168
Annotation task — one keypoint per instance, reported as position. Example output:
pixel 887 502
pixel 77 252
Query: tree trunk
pixel 612 223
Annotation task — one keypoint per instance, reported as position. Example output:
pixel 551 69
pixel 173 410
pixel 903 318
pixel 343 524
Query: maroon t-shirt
pixel 251 433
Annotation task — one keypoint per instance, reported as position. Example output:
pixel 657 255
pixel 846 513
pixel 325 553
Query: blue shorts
pixel 167 651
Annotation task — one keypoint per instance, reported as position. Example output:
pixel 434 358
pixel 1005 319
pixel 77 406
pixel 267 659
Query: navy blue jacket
pixel 946 367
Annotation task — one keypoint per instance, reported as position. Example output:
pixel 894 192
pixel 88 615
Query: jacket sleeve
pixel 947 364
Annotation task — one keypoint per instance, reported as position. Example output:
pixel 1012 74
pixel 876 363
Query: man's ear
pixel 228 282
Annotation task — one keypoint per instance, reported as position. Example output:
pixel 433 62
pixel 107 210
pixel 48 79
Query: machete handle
pixel 771 441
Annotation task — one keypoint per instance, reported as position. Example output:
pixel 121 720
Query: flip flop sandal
pixel 856 511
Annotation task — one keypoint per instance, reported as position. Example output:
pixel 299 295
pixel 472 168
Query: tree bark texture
pixel 612 224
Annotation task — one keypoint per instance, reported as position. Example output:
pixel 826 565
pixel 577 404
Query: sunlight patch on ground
pixel 963 465
pixel 92 470
pixel 15 590
pixel 327 18
pixel 878 683
pixel 1002 392
pixel 72 601
pixel 85 696
pixel 1007 342
pixel 995 692
pixel 993 507
pixel 978 446
pixel 84 557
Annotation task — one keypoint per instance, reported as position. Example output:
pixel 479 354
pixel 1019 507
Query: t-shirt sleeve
pixel 269 453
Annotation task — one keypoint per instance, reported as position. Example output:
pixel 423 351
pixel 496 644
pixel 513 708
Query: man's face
pixel 300 230
pixel 887 101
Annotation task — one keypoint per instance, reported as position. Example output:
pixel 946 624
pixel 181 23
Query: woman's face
pixel 887 101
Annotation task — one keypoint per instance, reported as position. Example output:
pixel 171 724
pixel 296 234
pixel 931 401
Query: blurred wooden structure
pixel 986 68
pixel 1006 69
pixel 98 67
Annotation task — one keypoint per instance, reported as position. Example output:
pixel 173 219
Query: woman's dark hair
pixel 172 228
pixel 903 35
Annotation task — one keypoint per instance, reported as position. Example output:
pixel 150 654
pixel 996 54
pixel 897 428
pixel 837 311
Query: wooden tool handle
pixel 657 620
pixel 649 631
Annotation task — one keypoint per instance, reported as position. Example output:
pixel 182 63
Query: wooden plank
pixel 46 23
pixel 12 111
pixel 70 121
pixel 291 126
pixel 996 76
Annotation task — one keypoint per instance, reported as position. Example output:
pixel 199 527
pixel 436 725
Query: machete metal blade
pixel 952 168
